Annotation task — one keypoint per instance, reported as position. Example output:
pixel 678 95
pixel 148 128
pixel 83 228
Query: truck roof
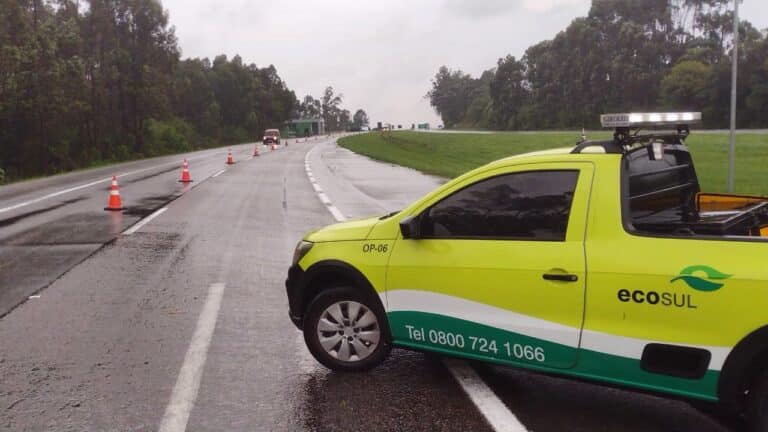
pixel 551 154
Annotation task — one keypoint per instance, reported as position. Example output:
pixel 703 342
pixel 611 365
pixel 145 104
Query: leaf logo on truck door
pixel 700 277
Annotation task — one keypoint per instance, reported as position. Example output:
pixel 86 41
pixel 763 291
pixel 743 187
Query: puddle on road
pixel 132 180
pixel 148 205
pixel 409 391
pixel 14 219
pixel 79 228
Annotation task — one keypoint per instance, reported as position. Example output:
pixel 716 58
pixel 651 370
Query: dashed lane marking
pixel 337 214
pixel 218 173
pixel 188 383
pixel 498 416
pixel 138 225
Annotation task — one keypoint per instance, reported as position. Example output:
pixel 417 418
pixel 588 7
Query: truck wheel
pixel 344 330
pixel 757 405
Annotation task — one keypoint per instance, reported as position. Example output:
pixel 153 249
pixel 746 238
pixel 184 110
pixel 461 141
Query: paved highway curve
pixel 182 324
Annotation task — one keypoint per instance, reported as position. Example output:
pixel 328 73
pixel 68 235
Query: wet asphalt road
pixel 49 225
pixel 102 347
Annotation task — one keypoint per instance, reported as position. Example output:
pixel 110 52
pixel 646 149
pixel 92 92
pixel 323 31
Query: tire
pixel 756 412
pixel 729 417
pixel 346 330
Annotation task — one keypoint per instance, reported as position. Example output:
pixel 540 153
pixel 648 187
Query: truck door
pixel 497 271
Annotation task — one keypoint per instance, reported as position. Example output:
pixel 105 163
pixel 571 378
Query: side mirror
pixel 409 227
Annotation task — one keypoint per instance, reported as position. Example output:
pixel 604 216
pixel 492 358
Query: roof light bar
pixel 649 119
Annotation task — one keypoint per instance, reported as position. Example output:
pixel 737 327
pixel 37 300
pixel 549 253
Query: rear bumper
pixel 294 287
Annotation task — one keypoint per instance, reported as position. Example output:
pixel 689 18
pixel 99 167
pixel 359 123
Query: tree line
pixel 625 55
pixel 84 82
pixel 328 107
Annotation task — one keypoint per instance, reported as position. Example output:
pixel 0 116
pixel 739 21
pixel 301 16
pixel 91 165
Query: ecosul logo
pixel 689 275
pixel 698 277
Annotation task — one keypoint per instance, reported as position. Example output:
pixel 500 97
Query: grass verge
pixel 451 154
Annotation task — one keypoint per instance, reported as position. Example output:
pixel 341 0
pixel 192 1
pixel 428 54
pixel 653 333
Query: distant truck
pixel 604 261
pixel 271 136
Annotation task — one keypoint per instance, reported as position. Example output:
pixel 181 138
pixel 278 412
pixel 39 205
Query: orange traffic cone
pixel 230 161
pixel 185 173
pixel 256 151
pixel 273 147
pixel 115 203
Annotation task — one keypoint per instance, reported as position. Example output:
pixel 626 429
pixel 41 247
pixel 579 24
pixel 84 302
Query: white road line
pixel 52 195
pixel 218 173
pixel 490 406
pixel 188 383
pixel 87 185
pixel 337 214
pixel 324 198
pixel 137 226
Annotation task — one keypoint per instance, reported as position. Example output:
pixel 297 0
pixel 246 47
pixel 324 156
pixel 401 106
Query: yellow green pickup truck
pixel 604 261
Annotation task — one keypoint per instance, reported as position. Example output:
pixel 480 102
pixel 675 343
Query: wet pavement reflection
pixel 410 392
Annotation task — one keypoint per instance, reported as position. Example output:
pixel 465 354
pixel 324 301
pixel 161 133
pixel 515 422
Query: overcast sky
pixel 380 54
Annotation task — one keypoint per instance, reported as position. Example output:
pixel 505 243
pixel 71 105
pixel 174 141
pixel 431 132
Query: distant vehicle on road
pixel 603 262
pixel 271 136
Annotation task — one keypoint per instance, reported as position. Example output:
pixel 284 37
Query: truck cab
pixel 604 261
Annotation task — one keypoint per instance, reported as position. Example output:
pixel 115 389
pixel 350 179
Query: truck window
pixel 532 205
pixel 662 197
pixel 661 192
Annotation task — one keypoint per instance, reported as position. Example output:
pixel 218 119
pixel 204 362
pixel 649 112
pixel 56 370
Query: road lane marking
pixel 137 226
pixel 188 383
pixel 52 195
pixel 490 406
pixel 218 173
pixel 335 212
pixel 93 183
pixel 498 416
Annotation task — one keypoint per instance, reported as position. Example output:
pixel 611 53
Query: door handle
pixel 563 277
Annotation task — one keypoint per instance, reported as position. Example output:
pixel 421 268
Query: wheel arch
pixel 327 274
pixel 747 359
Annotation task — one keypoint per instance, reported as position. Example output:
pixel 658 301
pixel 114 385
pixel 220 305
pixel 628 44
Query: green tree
pixel 309 108
pixel 360 119
pixel 451 94
pixel 331 112
pixel 625 55
pixel 508 93
pixel 687 86
pixel 103 81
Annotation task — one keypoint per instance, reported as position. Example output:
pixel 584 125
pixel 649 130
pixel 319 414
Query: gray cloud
pixel 481 9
